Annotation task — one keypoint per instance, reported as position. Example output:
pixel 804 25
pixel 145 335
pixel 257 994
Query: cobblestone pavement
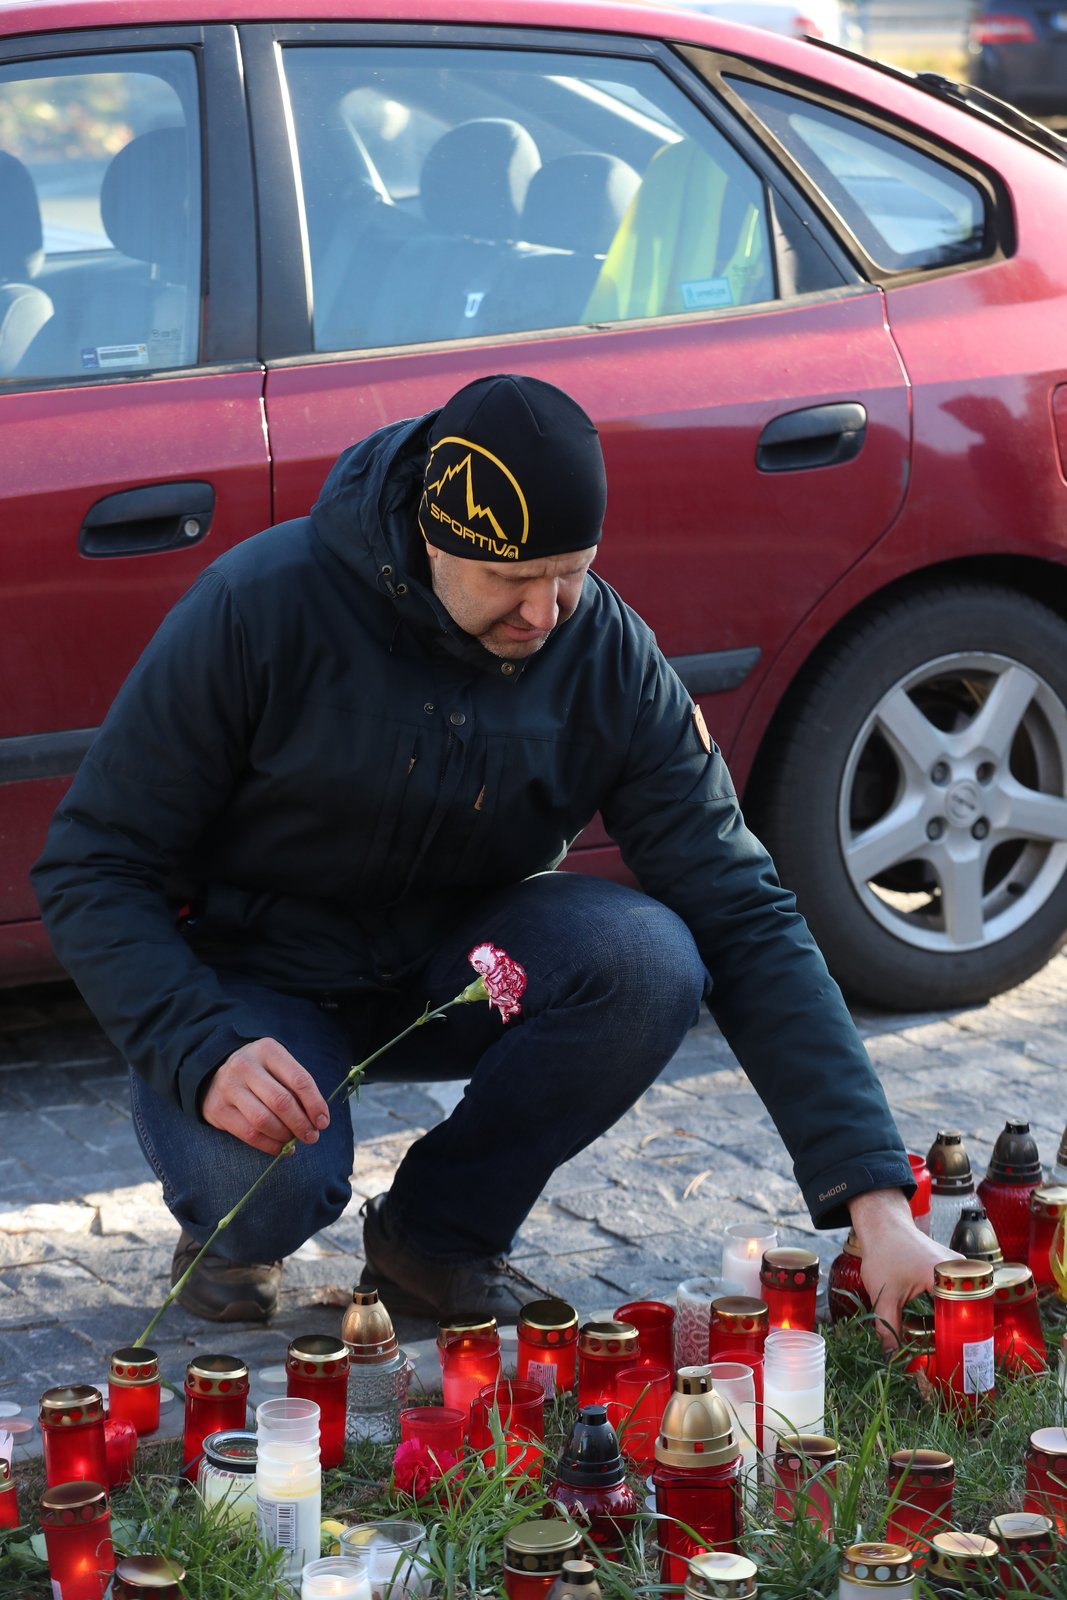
pixel 85 1240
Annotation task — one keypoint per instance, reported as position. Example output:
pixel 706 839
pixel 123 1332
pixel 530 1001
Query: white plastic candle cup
pixel 735 1384
pixel 335 1578
pixel 390 1551
pixel 794 1385
pixel 294 1421
pixel 693 1316
pixel 742 1252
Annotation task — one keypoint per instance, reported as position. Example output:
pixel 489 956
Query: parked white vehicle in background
pixel 821 19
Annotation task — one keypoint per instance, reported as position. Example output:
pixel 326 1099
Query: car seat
pixel 24 308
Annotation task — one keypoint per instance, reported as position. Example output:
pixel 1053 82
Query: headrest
pixel 475 178
pixel 21 242
pixel 576 202
pixel 144 199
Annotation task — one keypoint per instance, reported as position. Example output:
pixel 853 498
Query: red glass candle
pixel 963 1332
pixel 920 1484
pixel 1047 1204
pixel 654 1321
pixel 604 1348
pixel 1014 1172
pixel 963 1564
pixel 920 1200
pixel 517 1407
pixel 216 1398
pixel 590 1481
pixel 847 1296
pixel 641 1396
pixel 148 1578
pixel 805 1479
pixel 133 1388
pixel 76 1522
pixel 72 1430
pixel 737 1323
pixel 1046 1476
pixel 548 1346
pixel 917 1332
pixel 316 1368
pixel 120 1451
pixel 534 1553
pixel 789 1280
pixel 469 1352
pixel 1018 1340
pixel 437 1427
pixel 9 1500
pixel 1027 1550
pixel 697 1477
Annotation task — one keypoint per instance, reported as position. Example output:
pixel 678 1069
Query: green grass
pixel 872 1410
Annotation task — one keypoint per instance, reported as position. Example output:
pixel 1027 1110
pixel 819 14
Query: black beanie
pixel 515 472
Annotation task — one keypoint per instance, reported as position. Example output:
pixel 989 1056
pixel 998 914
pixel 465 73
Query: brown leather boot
pixel 226 1291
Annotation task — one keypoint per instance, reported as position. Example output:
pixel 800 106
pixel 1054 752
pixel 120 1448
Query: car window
pixel 906 208
pixel 100 196
pixel 453 193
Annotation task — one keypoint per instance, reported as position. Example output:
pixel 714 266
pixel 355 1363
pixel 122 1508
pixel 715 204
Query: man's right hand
pixel 264 1097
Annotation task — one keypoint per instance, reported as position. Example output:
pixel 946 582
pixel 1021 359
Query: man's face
pixel 510 607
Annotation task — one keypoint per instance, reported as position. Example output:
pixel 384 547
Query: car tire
pixel 913 796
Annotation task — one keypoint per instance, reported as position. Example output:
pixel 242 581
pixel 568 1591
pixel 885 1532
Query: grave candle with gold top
pixel 379 1372
pixel 9 1501
pixel 76 1523
pixel 216 1397
pixel 789 1280
pixel 920 1484
pixel 721 1575
pixel 149 1578
pixel 963 1332
pixel 1046 1476
pixel 868 1570
pixel 133 1388
pixel 1018 1341
pixel 548 1346
pixel 963 1564
pixel 917 1332
pixel 72 1431
pixel 534 1553
pixel 1047 1205
pixel 805 1478
pixel 316 1368
pixel 1027 1543
pixel 1014 1172
pixel 604 1348
pixel 469 1351
pixel 697 1476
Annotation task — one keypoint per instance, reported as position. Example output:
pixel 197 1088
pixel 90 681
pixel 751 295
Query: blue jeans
pixel 614 982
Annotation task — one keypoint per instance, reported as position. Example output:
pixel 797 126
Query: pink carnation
pixel 417 1468
pixel 504 979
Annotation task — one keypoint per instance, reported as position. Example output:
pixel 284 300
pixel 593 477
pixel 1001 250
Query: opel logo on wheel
pixel 963 804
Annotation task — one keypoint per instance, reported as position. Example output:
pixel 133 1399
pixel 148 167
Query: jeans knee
pixel 649 965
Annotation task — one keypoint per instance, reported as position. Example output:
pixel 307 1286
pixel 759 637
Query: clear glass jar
pixel 227 1475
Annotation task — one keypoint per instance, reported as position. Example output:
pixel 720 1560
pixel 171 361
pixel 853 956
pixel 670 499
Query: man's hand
pixel 263 1096
pixel 898 1259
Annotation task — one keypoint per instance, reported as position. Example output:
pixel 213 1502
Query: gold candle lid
pixel 72 1404
pixel 608 1339
pixel 922 1468
pixel 878 1566
pixel 697 1427
pixel 740 1313
pixel 917 1325
pixel 1050 1444
pixel 367 1329
pixel 66 1504
pixel 317 1355
pixel 789 1269
pixel 851 1246
pixel 551 1323
pixel 949 1164
pixel 466 1328
pixel 139 1575
pixel 133 1367
pixel 963 1280
pixel 953 1555
pixel 1049 1199
pixel 216 1375
pixel 577 1581
pixel 1020 1533
pixel 540 1546
pixel 975 1237
pixel 805 1452
pixel 718 1575
pixel 1012 1283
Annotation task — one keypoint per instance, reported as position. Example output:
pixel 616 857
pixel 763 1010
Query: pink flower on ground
pixel 504 979
pixel 417 1468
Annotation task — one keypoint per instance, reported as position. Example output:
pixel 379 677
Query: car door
pixel 130 401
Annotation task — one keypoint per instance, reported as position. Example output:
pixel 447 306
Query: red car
pixel 817 308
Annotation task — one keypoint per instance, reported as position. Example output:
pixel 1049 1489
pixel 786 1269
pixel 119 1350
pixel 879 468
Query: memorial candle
pixel 963 1564
pixel 1046 1476
pixel 216 1397
pixel 721 1575
pixel 951 1182
pixel 469 1352
pixel 1018 1340
pixel 9 1503
pixel 335 1578
pixel 920 1484
pixel 1027 1550
pixel 868 1570
pixel 847 1296
pixel 534 1553
pixel 1047 1205
pixel 920 1200
pixel 794 1384
pixel 789 1282
pixel 695 1297
pixel 514 1407
pixel 743 1249
pixel 654 1321
pixel 76 1522
pixel 697 1476
pixel 120 1451
pixel 963 1332
pixel 548 1346
pixel 316 1368
pixel 805 1479
pixel 133 1388
pixel 72 1431
pixel 590 1481
pixel 149 1578
pixel 603 1349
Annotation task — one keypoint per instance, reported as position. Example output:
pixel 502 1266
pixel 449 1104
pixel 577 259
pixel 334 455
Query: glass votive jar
pixel 548 1346
pixel 697 1476
pixel 469 1353
pixel 920 1200
pixel 133 1387
pixel 1048 1202
pixel 316 1368
pixel 720 1575
pixel 654 1321
pixel 737 1322
pixel 216 1397
pixel 148 1578
pixel 735 1384
pixel 743 1248
pixel 76 1523
pixel 226 1478
pixel 439 1428
pixel 693 1301
pixel 72 1432
pixel 120 1452
pixel 1027 1544
pixel 963 1332
pixel 515 1407
pixel 805 1479
pixel 920 1485
pixel 534 1553
pixel 794 1384
pixel 846 1295
pixel 1046 1476
pixel 1014 1171
pixel 379 1372
pixel 335 1578
pixel 641 1393
pixel 603 1348
pixel 390 1553
pixel 789 1283
pixel 590 1481
pixel 9 1500
pixel 963 1564
pixel 1018 1338
pixel 872 1569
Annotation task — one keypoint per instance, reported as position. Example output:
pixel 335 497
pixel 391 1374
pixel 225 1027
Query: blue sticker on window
pixel 706 294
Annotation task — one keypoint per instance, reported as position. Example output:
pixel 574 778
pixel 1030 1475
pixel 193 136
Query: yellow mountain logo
pixel 473 493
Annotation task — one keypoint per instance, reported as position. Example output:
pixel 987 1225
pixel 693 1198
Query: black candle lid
pixel 1015 1158
pixel 591 1458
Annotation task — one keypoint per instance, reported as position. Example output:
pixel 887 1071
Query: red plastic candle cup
pixel 72 1430
pixel 963 1332
pixel 316 1368
pixel 548 1346
pixel 9 1500
pixel 1027 1550
pixel 805 1479
pixel 133 1388
pixel 120 1451
pixel 1046 1476
pixel 437 1427
pixel 216 1398
pixel 534 1553
pixel 1018 1339
pixel 76 1522
pixel 519 1405
pixel 654 1321
pixel 846 1294
pixel 924 1184
pixel 1047 1204
pixel 920 1484
pixel 789 1280
pixel 641 1394
pixel 469 1353
pixel 604 1348
pixel 737 1323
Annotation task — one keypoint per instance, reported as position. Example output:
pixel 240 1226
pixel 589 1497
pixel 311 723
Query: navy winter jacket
pixel 328 773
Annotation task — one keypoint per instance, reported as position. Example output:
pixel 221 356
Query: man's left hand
pixel 898 1259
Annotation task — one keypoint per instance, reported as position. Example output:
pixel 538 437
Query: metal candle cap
pixel 789 1269
pixel 66 1504
pixel 552 1324
pixel 878 1566
pixel 72 1404
pixel 317 1355
pixel 133 1367
pixel 949 1163
pixel 608 1339
pixel 216 1375
pixel 851 1246
pixel 1022 1533
pixel 367 1329
pixel 975 1237
pixel 805 1452
pixel 1049 1199
pixel 540 1546
pixel 232 1449
pixel 1049 1446
pixel 697 1426
pixel 1015 1158
pixel 1013 1283
pixel 591 1457
pixel 954 1555
pixel 739 1313
pixel 922 1468
pixel 6 1480
pixel 963 1280
pixel 137 1576
pixel 578 1579
pixel 462 1328
pixel 718 1575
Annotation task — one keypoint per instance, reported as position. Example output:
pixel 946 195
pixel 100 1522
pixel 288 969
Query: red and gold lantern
pixel 216 1398
pixel 1018 1341
pixel 316 1368
pixel 963 1332
pixel 1047 1205
pixel 737 1322
pixel 1046 1476
pixel 548 1346
pixel 604 1348
pixel 72 1429
pixel 963 1564
pixel 149 1578
pixel 805 1475
pixel 697 1477
pixel 920 1484
pixel 789 1280
pixel 847 1296
pixel 76 1522
pixel 133 1388
pixel 469 1353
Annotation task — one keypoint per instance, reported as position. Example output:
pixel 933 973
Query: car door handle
pixel 158 516
pixel 818 436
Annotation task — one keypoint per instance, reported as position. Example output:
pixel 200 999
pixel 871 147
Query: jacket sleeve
pixel 677 821
pixel 168 752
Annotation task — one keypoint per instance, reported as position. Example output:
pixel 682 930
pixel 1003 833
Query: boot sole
pixel 233 1311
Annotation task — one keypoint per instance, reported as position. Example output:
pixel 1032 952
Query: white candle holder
pixel 735 1384
pixel 794 1385
pixel 743 1249
pixel 335 1578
